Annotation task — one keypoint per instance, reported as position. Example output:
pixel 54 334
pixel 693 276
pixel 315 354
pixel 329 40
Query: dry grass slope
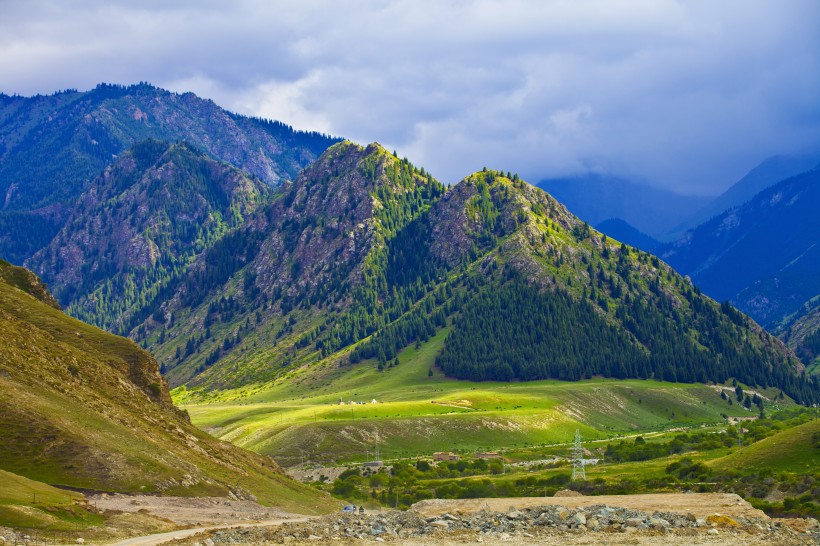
pixel 83 408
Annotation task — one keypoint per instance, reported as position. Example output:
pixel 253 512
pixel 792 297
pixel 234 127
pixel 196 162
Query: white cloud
pixel 684 94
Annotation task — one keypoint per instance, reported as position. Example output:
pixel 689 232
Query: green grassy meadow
pixel 26 503
pixel 307 414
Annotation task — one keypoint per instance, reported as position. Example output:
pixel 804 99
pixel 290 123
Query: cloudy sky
pixel 682 94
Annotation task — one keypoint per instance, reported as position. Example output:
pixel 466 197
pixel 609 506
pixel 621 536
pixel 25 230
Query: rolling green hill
pixel 792 450
pixel 82 408
pixel 26 503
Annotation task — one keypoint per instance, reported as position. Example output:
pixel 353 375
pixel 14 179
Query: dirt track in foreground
pixel 701 505
pixel 192 511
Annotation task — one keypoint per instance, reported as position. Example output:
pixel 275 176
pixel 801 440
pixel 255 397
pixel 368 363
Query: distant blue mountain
pixel 764 255
pixel 596 198
pixel 622 231
pixel 767 173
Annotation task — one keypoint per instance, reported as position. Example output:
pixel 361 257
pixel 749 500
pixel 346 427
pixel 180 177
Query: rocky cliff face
pixel 25 280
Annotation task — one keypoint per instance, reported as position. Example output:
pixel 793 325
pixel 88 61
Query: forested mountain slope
pixel 53 146
pixel 83 408
pixel 365 254
pixel 802 335
pixel 311 260
pixel 139 226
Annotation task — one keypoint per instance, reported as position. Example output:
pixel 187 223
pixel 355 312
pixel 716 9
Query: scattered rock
pixel 514 525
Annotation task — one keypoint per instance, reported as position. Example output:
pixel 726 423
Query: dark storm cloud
pixel 683 94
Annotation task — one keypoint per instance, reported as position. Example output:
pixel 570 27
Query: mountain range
pixel 662 214
pixel 769 172
pixel 53 146
pixel 364 254
pixel 763 255
pixel 187 248
pixel 648 209
pixel 247 263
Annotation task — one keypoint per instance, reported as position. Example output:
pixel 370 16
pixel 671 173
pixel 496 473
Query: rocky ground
pixel 598 524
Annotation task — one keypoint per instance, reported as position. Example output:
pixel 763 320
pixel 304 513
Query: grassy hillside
pixel 82 408
pixel 31 504
pixel 793 450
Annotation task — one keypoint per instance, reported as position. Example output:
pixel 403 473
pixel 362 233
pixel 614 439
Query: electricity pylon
pixel 578 472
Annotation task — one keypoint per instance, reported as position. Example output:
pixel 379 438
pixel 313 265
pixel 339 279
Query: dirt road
pixel 187 511
pixel 701 505
pixel 160 538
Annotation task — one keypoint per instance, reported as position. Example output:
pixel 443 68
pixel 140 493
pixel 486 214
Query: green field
pixel 307 415
pixel 31 504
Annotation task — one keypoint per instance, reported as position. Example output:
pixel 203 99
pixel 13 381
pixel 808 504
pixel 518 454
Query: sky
pixel 684 95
